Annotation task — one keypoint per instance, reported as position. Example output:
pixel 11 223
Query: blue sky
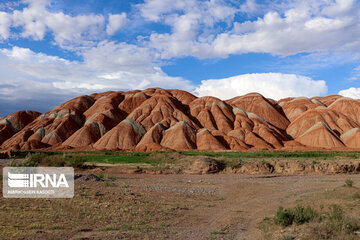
pixel 51 51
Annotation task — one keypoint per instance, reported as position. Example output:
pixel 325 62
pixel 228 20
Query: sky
pixel 52 50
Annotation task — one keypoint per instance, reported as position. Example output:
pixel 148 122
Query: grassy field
pixel 165 157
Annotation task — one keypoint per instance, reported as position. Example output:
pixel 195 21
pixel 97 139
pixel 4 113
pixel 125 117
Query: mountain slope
pixel 159 119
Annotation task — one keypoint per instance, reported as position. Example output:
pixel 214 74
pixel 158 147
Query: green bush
pixel 298 215
pixel 41 159
pixel 336 213
pixel 356 196
pixel 303 215
pixel 75 161
pixel 233 163
pixel 349 183
pixel 336 223
pixel 101 175
pixel 58 160
pixel 284 217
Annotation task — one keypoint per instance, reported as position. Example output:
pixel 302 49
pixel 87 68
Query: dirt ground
pixel 174 206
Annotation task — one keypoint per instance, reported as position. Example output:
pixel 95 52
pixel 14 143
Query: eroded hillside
pixel 158 119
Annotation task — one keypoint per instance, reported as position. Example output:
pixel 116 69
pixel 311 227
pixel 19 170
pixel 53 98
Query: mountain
pixel 159 119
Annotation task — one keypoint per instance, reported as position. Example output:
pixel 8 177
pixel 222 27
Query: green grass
pixel 123 158
pixel 232 159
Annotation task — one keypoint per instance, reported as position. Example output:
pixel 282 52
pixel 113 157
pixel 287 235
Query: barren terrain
pixel 175 206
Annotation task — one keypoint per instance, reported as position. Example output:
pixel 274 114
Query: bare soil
pixel 174 206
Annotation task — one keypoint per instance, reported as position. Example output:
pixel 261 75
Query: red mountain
pixel 158 119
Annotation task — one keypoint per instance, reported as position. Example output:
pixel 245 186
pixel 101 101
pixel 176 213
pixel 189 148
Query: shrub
pixel 75 161
pixel 303 215
pixel 298 215
pixel 58 160
pixel 335 223
pixel 349 183
pixel 356 196
pixel 331 224
pixel 284 217
pixel 233 163
pixel 336 213
pixel 101 175
pixel 41 159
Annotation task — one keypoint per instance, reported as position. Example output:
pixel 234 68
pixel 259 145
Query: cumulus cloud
pixel 68 31
pixel 288 33
pixel 272 85
pixel 5 22
pixel 199 28
pixel 116 22
pixel 204 29
pixel 105 66
pixel 192 25
pixel 250 7
pixel 282 30
pixel 29 76
pixel 351 93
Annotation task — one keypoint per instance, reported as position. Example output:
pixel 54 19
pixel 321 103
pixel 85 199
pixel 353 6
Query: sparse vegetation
pixel 101 175
pixel 232 163
pixel 335 225
pixel 112 213
pixel 42 159
pixel 160 157
pixel 298 215
pixel 356 196
pixel 75 161
pixel 50 160
pixel 349 182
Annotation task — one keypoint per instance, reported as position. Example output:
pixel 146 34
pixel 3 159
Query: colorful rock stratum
pixel 158 119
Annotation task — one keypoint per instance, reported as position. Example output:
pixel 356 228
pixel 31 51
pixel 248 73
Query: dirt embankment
pixel 206 165
pixel 298 167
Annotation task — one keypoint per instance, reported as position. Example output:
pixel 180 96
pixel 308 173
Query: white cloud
pixel 68 31
pixel 155 10
pixel 31 19
pixel 351 93
pixel 192 25
pixel 283 30
pixel 340 7
pixel 82 30
pixel 5 22
pixel 272 85
pixel 107 66
pixel 250 7
pixel 25 55
pixel 199 28
pixel 204 29
pixel 290 34
pixel 116 22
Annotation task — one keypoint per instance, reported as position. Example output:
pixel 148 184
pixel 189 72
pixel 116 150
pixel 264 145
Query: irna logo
pixel 38 182
pixel 16 180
